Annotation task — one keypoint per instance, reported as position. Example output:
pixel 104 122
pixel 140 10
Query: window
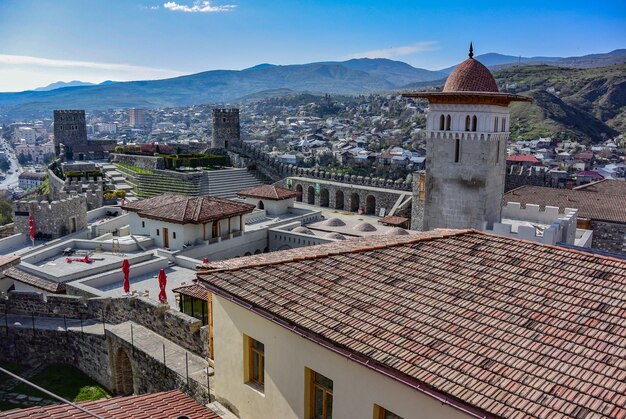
pixel 174 235
pixel 503 124
pixel 441 122
pixel 448 122
pixel 457 150
pixel 498 152
pixel 255 365
pixel 320 392
pixel 467 123
pixel 474 123
pixel 382 413
pixel 143 224
pixel 157 231
pixel 495 124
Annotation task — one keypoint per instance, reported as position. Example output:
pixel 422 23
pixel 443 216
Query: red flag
pixel 205 260
pixel 162 283
pixel 126 271
pixel 31 227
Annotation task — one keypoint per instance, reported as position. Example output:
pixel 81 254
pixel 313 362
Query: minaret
pixel 467 128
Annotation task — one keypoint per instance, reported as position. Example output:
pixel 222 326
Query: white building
pixel 26 133
pixel 106 128
pixel 272 199
pixel 37 152
pixel 28 180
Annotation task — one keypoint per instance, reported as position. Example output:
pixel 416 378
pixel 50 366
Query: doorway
pixel 166 238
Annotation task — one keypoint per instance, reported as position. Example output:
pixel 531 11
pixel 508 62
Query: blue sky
pixel 42 41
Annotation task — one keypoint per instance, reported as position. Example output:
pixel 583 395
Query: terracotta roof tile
pixel 271 192
pixel 35 281
pixel 509 327
pixel 167 404
pixel 8 261
pixel 596 206
pixel 470 76
pixel 193 290
pixel 606 186
pixel 183 209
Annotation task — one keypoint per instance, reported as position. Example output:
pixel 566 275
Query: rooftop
pixel 183 209
pixel 271 192
pixel 606 186
pixel 511 328
pixel 471 76
pixel 596 206
pixel 168 404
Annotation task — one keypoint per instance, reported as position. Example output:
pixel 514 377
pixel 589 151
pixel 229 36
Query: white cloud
pixel 157 7
pixel 204 6
pixel 394 52
pixel 20 72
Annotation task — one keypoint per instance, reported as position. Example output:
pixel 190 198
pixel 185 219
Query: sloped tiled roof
pixel 606 186
pixel 184 209
pixel 271 192
pixel 193 290
pixel 167 404
pixel 8 261
pixel 35 281
pixel 508 327
pixel 596 206
pixel 521 158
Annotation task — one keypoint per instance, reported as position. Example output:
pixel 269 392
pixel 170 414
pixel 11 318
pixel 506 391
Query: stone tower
pixel 70 129
pixel 225 128
pixel 467 129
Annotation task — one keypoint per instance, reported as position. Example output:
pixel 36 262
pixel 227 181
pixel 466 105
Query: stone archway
pixel 354 202
pixel 310 195
pixel 324 198
pixel 370 205
pixel 300 192
pixel 124 383
pixel 339 200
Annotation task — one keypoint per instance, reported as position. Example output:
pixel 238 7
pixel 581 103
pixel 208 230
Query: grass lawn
pixel 65 381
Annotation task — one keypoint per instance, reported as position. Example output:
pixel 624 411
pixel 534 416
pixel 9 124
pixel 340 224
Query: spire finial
pixel 471 51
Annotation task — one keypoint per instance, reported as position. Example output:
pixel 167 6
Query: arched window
pixel 448 122
pixel 495 124
pixel 467 123
pixel 503 124
pixel 474 123
pixel 441 122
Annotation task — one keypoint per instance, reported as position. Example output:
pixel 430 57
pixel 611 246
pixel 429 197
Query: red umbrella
pixel 126 271
pixel 162 283
pixel 205 260
pixel 31 227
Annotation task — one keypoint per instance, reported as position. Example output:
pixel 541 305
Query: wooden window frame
pixel 380 412
pixel 312 385
pixel 250 353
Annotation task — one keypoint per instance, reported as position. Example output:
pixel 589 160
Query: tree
pixel 4 164
pixel 6 212
pixel 24 158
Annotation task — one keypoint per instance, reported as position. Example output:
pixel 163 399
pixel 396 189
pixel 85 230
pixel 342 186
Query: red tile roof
pixel 193 290
pixel 183 209
pixel 168 404
pixel 34 281
pixel 393 220
pixel 509 327
pixel 606 186
pixel 523 159
pixel 590 173
pixel 8 261
pixel 271 192
pixel 595 206
pixel 471 76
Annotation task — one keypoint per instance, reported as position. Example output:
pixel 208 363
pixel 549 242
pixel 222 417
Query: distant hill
pixel 73 83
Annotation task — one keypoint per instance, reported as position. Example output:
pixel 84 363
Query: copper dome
pixel 471 76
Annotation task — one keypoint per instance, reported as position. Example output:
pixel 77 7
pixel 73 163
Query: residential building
pixel 28 180
pixel 136 118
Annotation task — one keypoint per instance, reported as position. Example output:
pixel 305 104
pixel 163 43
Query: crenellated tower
pixel 467 129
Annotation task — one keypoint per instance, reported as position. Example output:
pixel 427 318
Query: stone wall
pixel 142 162
pixel 226 130
pixel 608 236
pixel 343 196
pixel 417 204
pixel 54 219
pixel 87 352
pixel 281 170
pixel 178 327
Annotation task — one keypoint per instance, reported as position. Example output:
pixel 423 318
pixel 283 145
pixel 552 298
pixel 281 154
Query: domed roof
pixel 333 222
pixel 335 236
pixel 397 231
pixel 303 230
pixel 364 227
pixel 471 76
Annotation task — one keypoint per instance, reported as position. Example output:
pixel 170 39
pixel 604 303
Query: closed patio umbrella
pixel 162 284
pixel 126 271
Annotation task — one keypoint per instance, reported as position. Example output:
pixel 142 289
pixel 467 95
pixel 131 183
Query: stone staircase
pixel 226 183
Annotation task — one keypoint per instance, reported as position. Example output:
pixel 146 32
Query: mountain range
pixel 356 76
